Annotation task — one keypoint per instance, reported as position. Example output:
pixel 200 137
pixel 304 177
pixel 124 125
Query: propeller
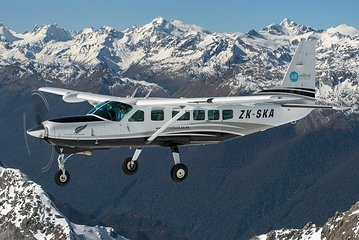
pixel 41 107
pixel 25 133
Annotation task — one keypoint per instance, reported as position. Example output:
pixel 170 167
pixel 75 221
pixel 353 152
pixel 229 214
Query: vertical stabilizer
pixel 301 71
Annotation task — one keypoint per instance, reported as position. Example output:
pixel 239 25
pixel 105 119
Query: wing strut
pixel 168 123
pixel 134 93
pixel 148 94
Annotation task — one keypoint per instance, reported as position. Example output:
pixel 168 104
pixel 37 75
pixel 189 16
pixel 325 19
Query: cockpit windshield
pixel 113 111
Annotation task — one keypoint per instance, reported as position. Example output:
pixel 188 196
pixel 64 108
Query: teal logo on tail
pixel 293 76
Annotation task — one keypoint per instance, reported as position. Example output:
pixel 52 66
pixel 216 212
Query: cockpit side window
pixel 114 111
pixel 97 107
pixel 138 116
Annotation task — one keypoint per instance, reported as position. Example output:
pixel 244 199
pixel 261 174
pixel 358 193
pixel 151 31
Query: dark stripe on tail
pixel 307 92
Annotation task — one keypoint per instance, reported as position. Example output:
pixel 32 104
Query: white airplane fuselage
pixel 203 125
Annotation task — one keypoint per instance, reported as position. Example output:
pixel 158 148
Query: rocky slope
pixel 175 58
pixel 343 225
pixel 26 212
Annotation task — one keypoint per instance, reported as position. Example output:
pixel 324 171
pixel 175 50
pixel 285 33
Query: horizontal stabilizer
pixel 314 106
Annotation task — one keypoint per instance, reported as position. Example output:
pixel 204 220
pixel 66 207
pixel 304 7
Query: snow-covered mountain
pixel 26 212
pixel 6 35
pixel 343 225
pixel 183 59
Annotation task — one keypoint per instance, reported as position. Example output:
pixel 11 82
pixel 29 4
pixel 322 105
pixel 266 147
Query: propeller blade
pixel 25 133
pixel 40 111
pixel 41 107
pixel 42 96
pixel 49 163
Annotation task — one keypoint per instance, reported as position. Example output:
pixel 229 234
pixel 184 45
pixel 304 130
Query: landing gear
pixel 179 171
pixel 130 165
pixel 62 177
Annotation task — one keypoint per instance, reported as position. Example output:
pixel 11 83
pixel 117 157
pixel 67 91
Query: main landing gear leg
pixel 62 177
pixel 179 171
pixel 130 165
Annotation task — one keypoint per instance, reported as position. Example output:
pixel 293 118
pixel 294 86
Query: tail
pixel 301 71
pixel 299 80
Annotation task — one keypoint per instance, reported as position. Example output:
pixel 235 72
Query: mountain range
pixel 280 178
pixel 174 58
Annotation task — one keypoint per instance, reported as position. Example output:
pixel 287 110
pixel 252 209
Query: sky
pixel 212 15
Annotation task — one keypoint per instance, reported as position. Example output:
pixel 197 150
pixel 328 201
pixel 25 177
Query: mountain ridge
pixel 180 57
pixel 26 212
pixel 343 225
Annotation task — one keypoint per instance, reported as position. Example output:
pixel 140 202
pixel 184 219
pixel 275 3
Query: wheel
pixel 129 167
pixel 62 179
pixel 179 172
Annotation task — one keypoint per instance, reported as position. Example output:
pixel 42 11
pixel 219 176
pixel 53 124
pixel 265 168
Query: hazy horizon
pixel 228 16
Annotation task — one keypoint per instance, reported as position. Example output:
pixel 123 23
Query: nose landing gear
pixel 62 177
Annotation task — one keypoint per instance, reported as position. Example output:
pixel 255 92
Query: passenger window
pixel 184 117
pixel 138 116
pixel 213 114
pixel 157 115
pixel 227 114
pixel 198 115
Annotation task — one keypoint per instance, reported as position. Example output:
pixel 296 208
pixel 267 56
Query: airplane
pixel 141 122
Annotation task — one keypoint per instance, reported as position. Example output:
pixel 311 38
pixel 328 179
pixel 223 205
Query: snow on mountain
pixel 89 48
pixel 287 28
pixel 179 57
pixel 344 30
pixel 343 225
pixel 47 33
pixel 143 87
pixel 138 83
pixel 26 212
pixel 161 43
pixel 6 35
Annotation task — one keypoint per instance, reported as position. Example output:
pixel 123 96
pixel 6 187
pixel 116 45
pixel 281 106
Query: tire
pixel 179 172
pixel 60 179
pixel 127 168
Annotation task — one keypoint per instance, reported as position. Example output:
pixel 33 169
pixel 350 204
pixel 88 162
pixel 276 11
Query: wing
pixel 71 96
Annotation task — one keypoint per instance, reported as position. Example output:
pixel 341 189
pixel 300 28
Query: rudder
pixel 301 71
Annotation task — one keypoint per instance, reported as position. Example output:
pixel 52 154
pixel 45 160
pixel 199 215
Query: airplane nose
pixel 38 132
